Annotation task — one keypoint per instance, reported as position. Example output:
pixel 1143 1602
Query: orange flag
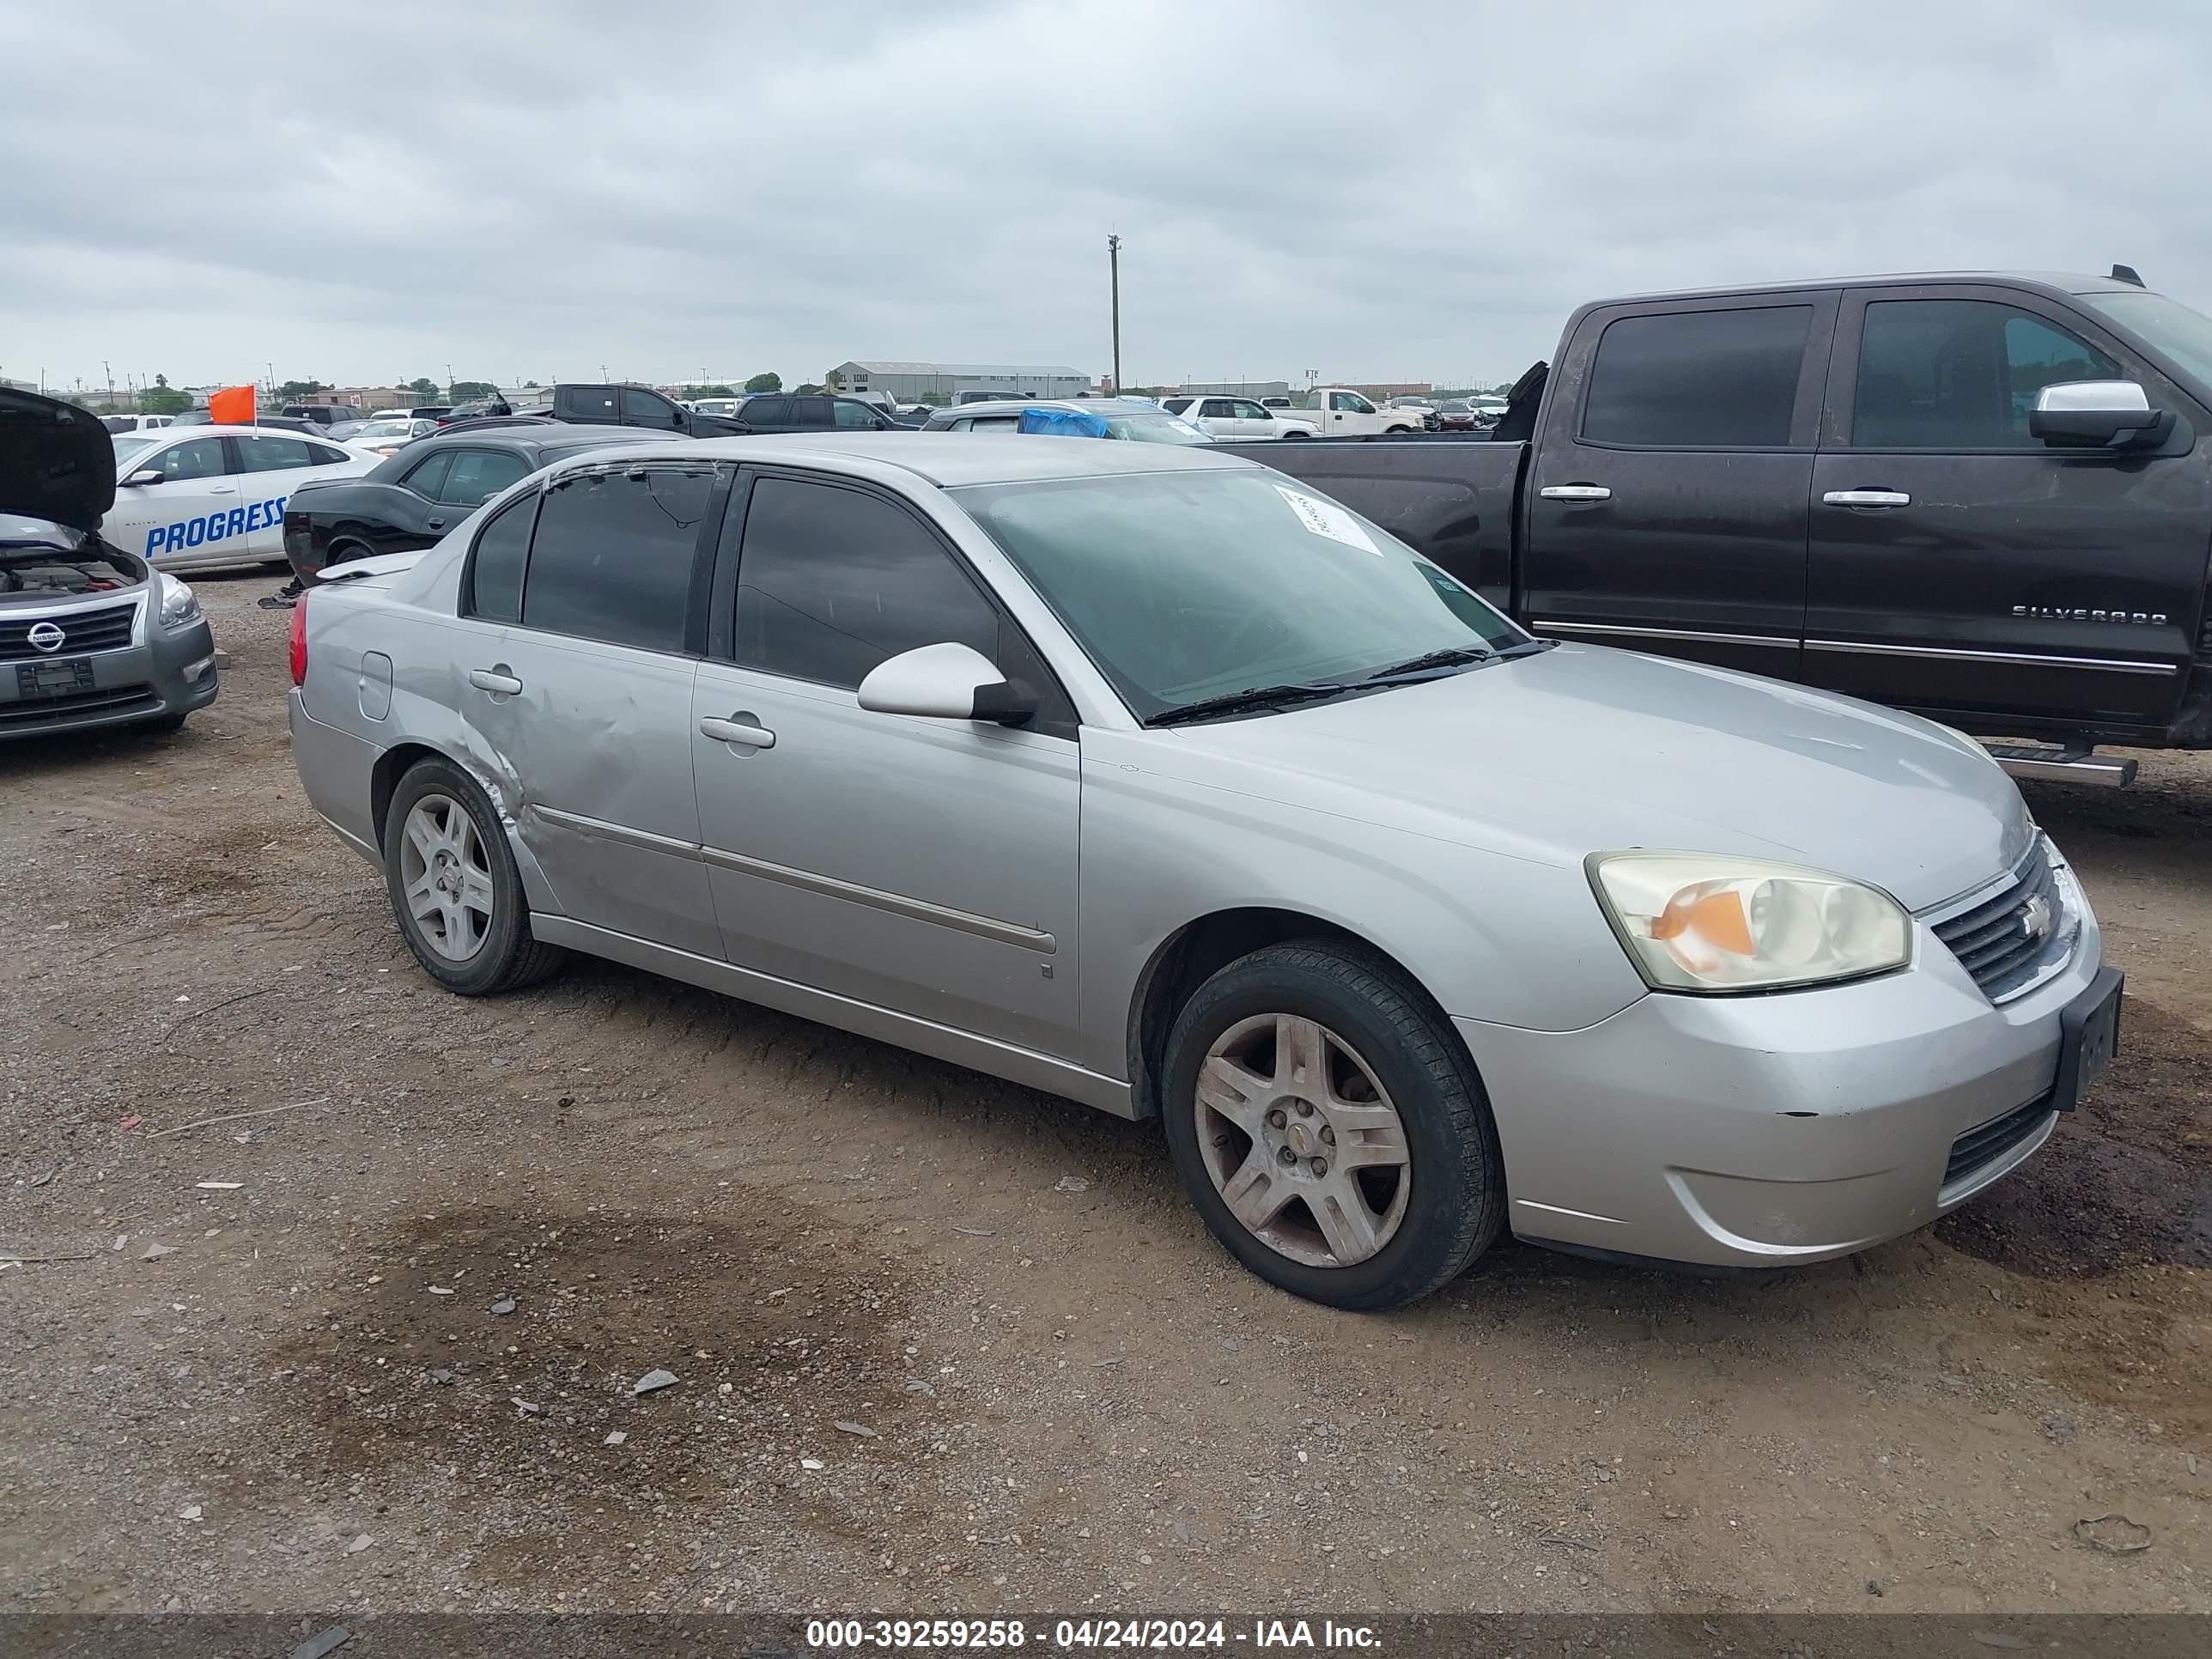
pixel 232 406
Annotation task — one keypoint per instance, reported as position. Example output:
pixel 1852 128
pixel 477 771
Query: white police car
pixel 188 498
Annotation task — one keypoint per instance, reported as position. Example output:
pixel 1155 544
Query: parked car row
pixel 1035 756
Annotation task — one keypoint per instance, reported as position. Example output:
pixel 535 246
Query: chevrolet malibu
pixel 1142 775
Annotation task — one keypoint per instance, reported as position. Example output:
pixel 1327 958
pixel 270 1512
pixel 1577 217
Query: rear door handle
pixel 739 728
pixel 1575 493
pixel 1866 498
pixel 497 681
pixel 435 524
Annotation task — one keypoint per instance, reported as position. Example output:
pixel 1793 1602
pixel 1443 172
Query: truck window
pixel 644 409
pixel 1697 380
pixel 593 405
pixel 1960 374
pixel 1351 402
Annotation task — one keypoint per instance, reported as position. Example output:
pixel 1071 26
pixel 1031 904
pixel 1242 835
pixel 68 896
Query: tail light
pixel 300 640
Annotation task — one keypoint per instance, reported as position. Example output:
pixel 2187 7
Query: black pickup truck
pixel 1986 497
pixel 613 403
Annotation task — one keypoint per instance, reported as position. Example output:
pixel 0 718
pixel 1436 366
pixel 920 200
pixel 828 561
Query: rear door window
pixel 266 454
pixel 613 555
pixel 495 567
pixel 810 411
pixel 1697 380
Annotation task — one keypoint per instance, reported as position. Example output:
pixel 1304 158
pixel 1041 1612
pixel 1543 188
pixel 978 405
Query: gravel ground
pixel 942 1345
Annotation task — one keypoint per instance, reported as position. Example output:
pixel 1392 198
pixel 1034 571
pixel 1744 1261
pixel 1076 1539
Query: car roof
pixel 1086 405
pixel 209 429
pixel 952 460
pixel 2058 281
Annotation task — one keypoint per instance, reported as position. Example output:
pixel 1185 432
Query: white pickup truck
pixel 1241 418
pixel 1341 412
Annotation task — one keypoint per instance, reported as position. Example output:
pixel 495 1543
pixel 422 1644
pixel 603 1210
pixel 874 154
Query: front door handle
pixel 1866 498
pixel 740 728
pixel 223 489
pixel 1575 493
pixel 435 524
pixel 496 681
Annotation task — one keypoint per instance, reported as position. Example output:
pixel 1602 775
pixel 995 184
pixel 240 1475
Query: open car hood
pixel 57 462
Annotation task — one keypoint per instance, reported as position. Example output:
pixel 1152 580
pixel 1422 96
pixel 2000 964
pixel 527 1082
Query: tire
pixel 468 958
pixel 1388 1054
pixel 341 552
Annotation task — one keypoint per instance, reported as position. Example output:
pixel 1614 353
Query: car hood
pixel 1581 748
pixel 56 461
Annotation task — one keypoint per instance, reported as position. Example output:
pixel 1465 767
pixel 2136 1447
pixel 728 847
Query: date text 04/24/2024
pixel 994 1635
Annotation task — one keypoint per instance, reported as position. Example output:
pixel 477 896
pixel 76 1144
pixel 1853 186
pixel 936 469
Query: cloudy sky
pixel 360 191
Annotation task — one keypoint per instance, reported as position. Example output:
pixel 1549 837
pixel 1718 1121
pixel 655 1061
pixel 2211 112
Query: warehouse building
pixel 941 383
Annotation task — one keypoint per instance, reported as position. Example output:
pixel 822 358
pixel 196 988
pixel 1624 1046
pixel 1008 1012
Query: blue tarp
pixel 1063 424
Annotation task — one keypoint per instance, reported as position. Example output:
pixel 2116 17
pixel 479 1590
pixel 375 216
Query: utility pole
pixel 110 373
pixel 1114 265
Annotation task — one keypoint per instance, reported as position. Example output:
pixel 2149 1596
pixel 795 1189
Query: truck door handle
pixel 497 681
pixel 1575 493
pixel 1866 498
pixel 740 728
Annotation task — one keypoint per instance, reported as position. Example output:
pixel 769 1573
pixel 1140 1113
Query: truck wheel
pixel 1329 1127
pixel 454 888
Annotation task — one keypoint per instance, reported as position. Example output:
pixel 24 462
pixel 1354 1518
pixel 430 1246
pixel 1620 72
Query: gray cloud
pixel 1414 190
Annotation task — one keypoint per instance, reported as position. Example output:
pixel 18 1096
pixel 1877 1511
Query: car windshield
pixel 1454 406
pixel 1150 428
pixel 2183 335
pixel 128 444
pixel 388 429
pixel 1187 585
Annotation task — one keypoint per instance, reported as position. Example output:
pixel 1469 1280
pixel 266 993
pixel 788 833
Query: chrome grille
pixel 2002 939
pixel 107 629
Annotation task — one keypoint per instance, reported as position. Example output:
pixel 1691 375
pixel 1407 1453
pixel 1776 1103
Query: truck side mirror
pixel 2096 415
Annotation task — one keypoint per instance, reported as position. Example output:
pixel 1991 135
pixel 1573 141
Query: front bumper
pixel 1763 1131
pixel 160 672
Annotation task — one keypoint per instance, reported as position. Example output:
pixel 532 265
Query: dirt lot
pixel 1068 1396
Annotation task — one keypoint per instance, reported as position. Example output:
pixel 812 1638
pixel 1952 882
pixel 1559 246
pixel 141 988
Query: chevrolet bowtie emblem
pixel 2035 916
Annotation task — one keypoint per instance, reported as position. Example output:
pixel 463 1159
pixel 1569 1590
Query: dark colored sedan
pixel 425 489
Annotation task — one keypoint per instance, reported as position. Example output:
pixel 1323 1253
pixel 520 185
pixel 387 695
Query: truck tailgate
pixel 1450 498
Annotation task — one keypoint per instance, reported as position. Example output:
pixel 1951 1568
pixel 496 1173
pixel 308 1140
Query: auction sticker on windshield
pixel 1327 518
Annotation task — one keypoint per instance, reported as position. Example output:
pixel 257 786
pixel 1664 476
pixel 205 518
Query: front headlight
pixel 1695 922
pixel 179 605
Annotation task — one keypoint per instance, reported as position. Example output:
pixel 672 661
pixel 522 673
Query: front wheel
pixel 1329 1127
pixel 454 888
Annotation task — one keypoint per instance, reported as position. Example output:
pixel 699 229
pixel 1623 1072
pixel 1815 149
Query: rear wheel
pixel 455 887
pixel 1329 1127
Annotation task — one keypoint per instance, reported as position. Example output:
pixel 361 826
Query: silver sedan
pixel 1144 776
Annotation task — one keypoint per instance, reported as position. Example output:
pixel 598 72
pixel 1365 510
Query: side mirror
pixel 146 475
pixel 947 682
pixel 2095 415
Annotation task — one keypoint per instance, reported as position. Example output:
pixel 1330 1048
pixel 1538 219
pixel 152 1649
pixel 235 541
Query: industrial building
pixel 941 383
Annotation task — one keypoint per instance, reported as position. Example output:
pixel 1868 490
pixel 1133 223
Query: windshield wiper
pixel 1454 656
pixel 1253 697
pixel 1526 647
